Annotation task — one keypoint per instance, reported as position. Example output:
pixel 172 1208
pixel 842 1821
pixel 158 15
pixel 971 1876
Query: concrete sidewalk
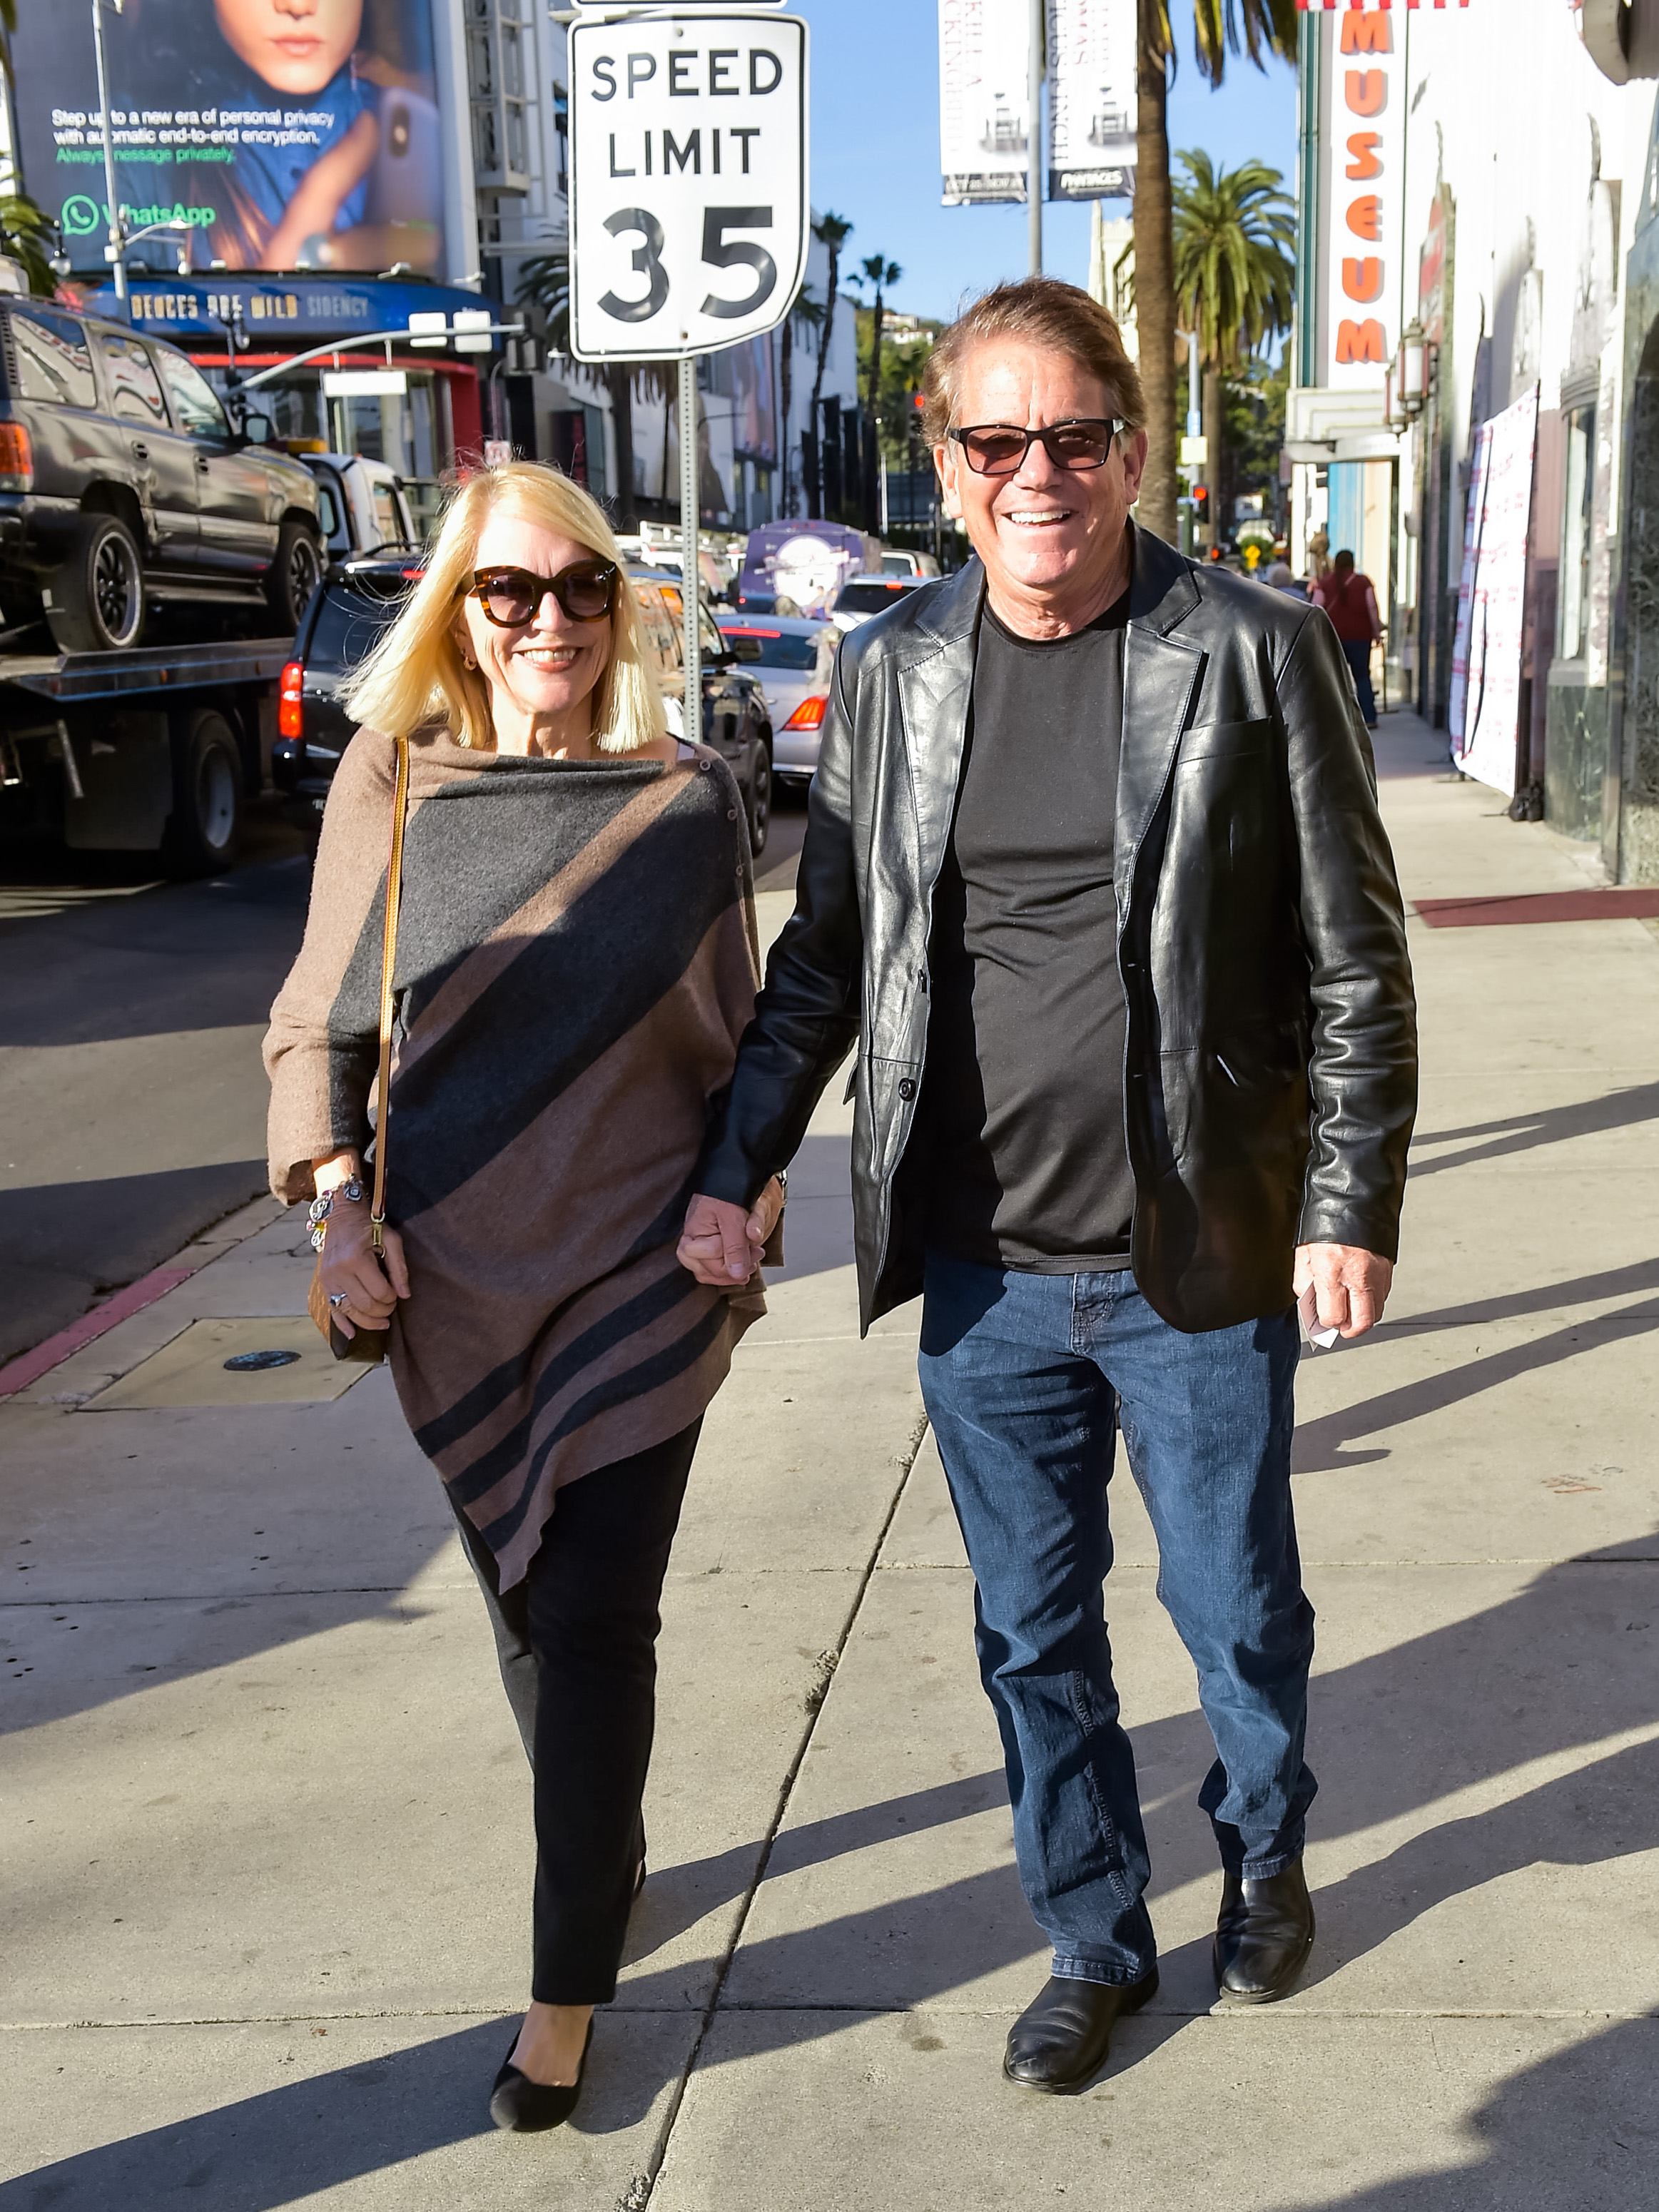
pixel 269 1848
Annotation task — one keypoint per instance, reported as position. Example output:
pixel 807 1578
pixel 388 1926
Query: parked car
pixel 865 597
pixel 125 484
pixel 735 722
pixel 899 561
pixel 358 601
pixel 792 659
pixel 363 507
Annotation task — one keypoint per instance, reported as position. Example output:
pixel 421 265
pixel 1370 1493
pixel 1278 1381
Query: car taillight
pixel 17 458
pixel 809 715
pixel 290 713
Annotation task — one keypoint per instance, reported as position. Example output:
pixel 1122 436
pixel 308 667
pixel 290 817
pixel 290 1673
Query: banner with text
pixel 984 99
pixel 1091 100
pixel 263 140
pixel 1484 712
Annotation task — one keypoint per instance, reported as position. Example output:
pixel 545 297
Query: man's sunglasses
pixel 586 591
pixel 997 449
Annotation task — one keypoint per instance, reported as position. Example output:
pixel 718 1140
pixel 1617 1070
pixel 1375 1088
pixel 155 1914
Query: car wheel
pixel 205 827
pixel 759 807
pixel 292 576
pixel 95 601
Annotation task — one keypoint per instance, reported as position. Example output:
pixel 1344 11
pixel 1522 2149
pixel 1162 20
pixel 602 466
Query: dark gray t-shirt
pixel 1021 1116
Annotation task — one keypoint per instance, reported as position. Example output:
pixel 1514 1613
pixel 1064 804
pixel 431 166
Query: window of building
pixel 1575 532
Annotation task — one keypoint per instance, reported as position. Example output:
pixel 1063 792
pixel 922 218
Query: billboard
pixel 1091 100
pixel 984 121
pixel 275 136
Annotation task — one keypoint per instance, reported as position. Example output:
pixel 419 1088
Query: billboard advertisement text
pixel 299 137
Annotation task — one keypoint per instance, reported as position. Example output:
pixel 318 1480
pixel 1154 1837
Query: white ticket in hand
pixel 1307 1307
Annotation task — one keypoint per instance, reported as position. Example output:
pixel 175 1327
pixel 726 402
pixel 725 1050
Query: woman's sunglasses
pixel 587 590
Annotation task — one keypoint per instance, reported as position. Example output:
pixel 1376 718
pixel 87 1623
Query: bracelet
pixel 323 1204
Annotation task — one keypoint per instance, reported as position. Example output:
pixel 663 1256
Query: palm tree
pixel 1235 274
pixel 832 231
pixel 545 284
pixel 808 313
pixel 881 274
pixel 1268 26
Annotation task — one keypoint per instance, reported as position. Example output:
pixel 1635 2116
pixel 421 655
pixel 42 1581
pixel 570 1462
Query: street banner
pixel 688 207
pixel 1485 716
pixel 984 99
pixel 267 140
pixel 1091 100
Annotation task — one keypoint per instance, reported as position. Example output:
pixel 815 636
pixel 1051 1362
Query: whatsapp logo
pixel 82 217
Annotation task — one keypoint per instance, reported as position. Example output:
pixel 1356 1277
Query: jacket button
pixel 907 1087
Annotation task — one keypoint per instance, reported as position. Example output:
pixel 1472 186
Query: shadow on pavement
pixel 1549 1125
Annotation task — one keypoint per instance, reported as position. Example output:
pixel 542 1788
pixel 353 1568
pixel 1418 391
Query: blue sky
pixel 875 149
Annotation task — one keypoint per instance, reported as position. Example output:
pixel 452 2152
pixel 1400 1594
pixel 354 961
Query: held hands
pixel 722 1244
pixel 1350 1287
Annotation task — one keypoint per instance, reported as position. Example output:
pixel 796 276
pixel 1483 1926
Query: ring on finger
pixel 339 1298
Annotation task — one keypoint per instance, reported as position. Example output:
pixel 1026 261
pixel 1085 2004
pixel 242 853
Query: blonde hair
pixel 416 675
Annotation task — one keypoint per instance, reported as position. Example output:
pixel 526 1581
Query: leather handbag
pixel 368 1346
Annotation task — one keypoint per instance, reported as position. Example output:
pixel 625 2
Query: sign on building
pixel 1484 711
pixel 984 99
pixel 688 207
pixel 1092 98
pixel 1362 153
pixel 258 146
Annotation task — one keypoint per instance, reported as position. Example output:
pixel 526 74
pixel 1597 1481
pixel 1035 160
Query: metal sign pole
pixel 116 251
pixel 1034 161
pixel 689 570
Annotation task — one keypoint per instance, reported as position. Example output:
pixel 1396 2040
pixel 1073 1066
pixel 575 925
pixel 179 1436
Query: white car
pixel 362 506
pixel 792 660
pixel 862 597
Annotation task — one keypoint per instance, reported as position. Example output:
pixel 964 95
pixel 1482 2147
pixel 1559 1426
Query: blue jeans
pixel 1027 1379
pixel 1358 654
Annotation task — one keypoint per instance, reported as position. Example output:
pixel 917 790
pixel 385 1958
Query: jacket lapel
pixel 1160 683
pixel 936 694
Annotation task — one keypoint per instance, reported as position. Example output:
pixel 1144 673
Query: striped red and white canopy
pixel 1330 6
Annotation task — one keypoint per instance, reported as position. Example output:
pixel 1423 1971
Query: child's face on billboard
pixel 295 46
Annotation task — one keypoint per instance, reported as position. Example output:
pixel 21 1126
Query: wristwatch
pixel 323 1204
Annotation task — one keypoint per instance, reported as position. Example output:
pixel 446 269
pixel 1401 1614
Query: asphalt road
pixel 132 1099
pixel 132 1094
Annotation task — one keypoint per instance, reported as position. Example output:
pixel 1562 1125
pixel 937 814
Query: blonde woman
pixel 576 960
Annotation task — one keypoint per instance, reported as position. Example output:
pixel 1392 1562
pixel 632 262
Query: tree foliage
pixel 1234 256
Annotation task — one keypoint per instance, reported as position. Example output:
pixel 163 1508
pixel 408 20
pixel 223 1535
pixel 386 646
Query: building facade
pixel 1476 402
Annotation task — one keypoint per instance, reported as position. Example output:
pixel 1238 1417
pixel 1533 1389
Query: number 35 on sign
pixel 689 208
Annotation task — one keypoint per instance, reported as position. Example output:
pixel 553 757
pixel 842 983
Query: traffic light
pixel 1201 501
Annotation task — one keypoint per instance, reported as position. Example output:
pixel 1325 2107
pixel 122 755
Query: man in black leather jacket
pixel 1095 878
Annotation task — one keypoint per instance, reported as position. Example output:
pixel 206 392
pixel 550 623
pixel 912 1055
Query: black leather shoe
pixel 1263 1935
pixel 1059 2041
pixel 524 2107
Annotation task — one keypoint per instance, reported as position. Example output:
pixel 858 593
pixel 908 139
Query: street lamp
pixel 1414 366
pixel 1395 417
pixel 115 252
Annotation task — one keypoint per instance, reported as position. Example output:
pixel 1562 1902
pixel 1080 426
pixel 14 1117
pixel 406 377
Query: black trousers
pixel 577 1642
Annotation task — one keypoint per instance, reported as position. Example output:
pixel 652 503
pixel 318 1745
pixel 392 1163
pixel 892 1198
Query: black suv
pixel 123 484
pixel 360 599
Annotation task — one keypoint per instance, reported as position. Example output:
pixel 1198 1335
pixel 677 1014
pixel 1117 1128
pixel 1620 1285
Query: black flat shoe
pixel 1263 1935
pixel 1059 2041
pixel 524 2107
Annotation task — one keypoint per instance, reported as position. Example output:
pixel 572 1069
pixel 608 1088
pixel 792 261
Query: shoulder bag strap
pixel 394 886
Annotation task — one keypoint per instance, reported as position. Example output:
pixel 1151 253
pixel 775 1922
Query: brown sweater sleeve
pixel 321 1050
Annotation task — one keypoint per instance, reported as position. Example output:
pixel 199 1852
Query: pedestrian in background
pixel 1349 598
pixel 1094 878
pixel 576 958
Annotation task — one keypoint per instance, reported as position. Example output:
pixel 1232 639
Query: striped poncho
pixel 576 961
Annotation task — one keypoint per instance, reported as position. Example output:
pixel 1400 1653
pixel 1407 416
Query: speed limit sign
pixel 688 207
